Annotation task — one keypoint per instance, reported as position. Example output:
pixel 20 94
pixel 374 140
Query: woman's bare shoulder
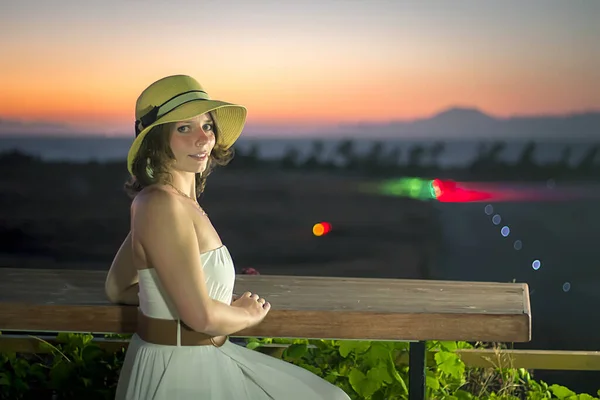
pixel 155 201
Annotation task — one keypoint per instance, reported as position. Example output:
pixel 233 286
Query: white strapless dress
pixel 158 372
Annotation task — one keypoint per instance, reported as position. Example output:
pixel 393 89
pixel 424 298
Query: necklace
pixel 189 197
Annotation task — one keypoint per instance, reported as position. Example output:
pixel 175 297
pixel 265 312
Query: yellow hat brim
pixel 230 121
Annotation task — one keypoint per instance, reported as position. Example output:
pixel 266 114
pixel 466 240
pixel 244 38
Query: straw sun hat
pixel 181 97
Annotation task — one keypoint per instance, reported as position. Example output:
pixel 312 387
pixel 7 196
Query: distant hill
pixel 13 127
pixel 472 123
pixel 452 123
pixel 16 127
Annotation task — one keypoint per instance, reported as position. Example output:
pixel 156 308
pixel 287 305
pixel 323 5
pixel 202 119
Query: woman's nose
pixel 201 138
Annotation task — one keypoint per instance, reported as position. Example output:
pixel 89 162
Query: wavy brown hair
pixel 155 152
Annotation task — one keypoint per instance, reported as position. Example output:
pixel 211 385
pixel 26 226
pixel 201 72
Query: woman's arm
pixel 121 284
pixel 163 227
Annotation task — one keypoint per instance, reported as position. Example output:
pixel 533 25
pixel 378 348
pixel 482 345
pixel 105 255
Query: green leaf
pixel 448 346
pixel 394 373
pixel 380 373
pixel 282 341
pixel 379 352
pixel 64 337
pixel 403 346
pixel 312 368
pixel 323 345
pixel 432 382
pixel 296 351
pixel 524 374
pixel 38 371
pixel 450 363
pixel 90 354
pixel 561 392
pixel 585 396
pixel 20 367
pixel 253 345
pixel 60 373
pixel 356 378
pixel 356 346
pixel 331 378
pixel 363 385
pixel 462 395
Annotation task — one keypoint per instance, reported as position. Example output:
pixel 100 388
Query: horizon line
pixel 591 110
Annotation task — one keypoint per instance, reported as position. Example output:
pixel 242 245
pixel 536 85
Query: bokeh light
pixel 505 231
pixel 566 287
pixel 536 264
pixel 321 228
pixel 518 245
pixel 496 219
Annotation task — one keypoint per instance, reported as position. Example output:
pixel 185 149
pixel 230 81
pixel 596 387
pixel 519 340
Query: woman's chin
pixel 195 169
pixel 200 168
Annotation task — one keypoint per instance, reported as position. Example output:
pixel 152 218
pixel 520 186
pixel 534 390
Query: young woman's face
pixel 192 142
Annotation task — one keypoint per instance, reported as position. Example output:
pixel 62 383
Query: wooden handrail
pixel 302 307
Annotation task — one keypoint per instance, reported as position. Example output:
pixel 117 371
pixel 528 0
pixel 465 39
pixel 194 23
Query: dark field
pixel 77 216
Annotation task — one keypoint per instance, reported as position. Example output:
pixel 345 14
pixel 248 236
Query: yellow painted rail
pixel 483 358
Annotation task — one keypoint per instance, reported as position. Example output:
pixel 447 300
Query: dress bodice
pixel 219 273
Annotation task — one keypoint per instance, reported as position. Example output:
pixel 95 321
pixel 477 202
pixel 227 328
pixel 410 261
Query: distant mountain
pixel 452 123
pixel 16 127
pixel 472 123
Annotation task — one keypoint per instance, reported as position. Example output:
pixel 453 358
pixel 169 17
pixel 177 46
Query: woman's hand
pixel 256 307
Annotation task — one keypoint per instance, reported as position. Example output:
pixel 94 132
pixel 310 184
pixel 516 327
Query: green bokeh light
pixel 416 188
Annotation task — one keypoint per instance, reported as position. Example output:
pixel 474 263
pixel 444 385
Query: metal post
pixel 416 371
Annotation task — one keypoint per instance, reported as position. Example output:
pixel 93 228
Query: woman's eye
pixel 183 129
pixel 207 127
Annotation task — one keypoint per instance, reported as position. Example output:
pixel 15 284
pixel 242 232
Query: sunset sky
pixel 313 62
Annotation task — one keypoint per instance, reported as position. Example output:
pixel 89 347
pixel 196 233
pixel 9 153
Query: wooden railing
pixel 302 307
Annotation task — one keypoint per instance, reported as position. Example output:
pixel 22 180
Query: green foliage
pixel 76 367
pixel 378 370
pixel 72 368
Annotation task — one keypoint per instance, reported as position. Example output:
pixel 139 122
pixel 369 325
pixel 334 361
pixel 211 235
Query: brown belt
pixel 164 331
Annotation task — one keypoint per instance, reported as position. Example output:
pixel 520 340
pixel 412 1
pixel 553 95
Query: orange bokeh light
pixel 321 228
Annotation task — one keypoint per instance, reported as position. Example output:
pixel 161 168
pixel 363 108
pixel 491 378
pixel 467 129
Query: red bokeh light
pixel 321 228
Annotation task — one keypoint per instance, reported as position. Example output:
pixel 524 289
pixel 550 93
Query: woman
pixel 184 275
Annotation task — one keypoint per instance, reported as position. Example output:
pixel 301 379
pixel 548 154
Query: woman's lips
pixel 199 156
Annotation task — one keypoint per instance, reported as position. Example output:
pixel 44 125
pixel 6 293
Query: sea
pixel 457 152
